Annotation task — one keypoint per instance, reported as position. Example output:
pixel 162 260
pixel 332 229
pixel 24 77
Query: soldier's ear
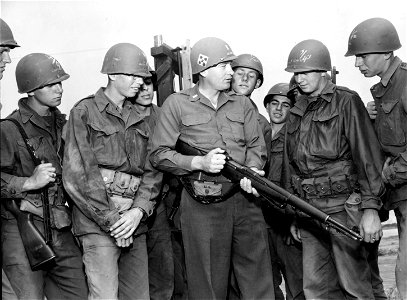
pixel 258 83
pixel 204 73
pixel 112 77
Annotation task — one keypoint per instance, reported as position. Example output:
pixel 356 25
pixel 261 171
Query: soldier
pixel 7 42
pixel 248 76
pixel 40 76
pixel 159 246
pixel 333 152
pixel 286 253
pixel 221 228
pixel 373 43
pixel 335 164
pixel 110 182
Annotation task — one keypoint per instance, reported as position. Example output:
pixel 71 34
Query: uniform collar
pixel 395 63
pixel 101 99
pixel 103 102
pixel 195 95
pixel 28 113
pixel 302 103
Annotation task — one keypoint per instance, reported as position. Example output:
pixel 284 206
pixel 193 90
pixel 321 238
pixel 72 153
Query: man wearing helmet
pixel 109 178
pixel 40 76
pixel 248 76
pixel 373 42
pixel 221 228
pixel 286 254
pixel 7 42
pixel 333 153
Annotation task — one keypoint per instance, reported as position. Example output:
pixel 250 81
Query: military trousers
pixel 65 280
pixel 221 236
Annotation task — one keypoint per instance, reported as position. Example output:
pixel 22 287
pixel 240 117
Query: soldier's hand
pixel 370 226
pixel 387 172
pixel 42 175
pixel 246 184
pixel 121 242
pixel 127 224
pixel 371 110
pixel 212 162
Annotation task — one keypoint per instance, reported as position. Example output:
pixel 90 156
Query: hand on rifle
pixel 371 110
pixel 127 224
pixel 43 174
pixel 370 226
pixel 212 162
pixel 246 184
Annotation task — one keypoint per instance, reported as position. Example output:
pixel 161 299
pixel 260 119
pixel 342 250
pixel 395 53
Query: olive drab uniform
pixel 16 166
pixel 390 96
pixel 379 36
pixel 334 154
pixel 108 173
pixel 64 279
pixel 221 228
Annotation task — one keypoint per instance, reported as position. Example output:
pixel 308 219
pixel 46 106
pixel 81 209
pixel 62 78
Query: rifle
pixel 38 249
pixel 271 191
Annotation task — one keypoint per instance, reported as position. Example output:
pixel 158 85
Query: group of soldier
pixel 109 172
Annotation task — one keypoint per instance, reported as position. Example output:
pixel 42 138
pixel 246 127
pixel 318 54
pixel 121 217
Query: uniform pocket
pixel 390 130
pixel 325 135
pixel 106 144
pixel 237 125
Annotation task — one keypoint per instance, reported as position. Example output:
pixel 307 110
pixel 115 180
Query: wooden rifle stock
pixel 39 254
pixel 271 191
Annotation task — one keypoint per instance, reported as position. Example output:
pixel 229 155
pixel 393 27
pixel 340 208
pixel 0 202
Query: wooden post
pixel 165 64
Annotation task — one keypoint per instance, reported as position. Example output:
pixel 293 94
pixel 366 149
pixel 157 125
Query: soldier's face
pixel 310 83
pixel 278 109
pixel 146 93
pixel 245 80
pixel 49 95
pixel 220 76
pixel 4 59
pixel 128 85
pixel 372 64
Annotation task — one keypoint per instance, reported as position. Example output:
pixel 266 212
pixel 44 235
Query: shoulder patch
pixel 403 65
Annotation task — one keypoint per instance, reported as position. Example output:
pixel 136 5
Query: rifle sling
pixel 30 149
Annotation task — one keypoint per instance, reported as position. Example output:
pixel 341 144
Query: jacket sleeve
pixel 81 176
pixel 366 152
pixel 11 183
pixel 163 154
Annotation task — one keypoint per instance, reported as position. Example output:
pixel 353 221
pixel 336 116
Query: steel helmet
pixel 309 55
pixel 281 89
pixel 6 36
pixel 125 58
pixel 37 70
pixel 249 61
pixel 376 35
pixel 208 52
